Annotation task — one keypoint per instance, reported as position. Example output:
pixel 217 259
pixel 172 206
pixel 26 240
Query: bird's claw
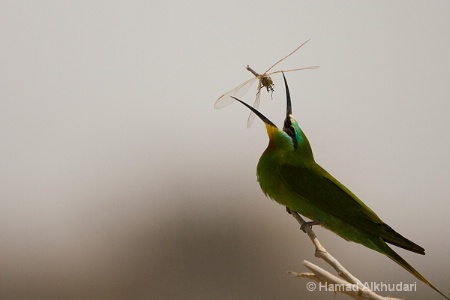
pixel 310 225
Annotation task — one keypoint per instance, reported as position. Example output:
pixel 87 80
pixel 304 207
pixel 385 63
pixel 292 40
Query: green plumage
pixel 288 173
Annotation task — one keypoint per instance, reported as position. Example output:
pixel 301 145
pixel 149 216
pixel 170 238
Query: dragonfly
pixel 264 81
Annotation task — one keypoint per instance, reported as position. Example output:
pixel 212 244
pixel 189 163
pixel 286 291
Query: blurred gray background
pixel 119 180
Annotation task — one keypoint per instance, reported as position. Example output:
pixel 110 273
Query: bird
pixel 288 173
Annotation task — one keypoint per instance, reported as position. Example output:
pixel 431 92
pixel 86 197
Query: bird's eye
pixel 290 130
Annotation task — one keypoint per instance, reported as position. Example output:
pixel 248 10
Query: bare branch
pixel 350 285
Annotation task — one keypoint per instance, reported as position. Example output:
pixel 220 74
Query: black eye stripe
pixel 290 131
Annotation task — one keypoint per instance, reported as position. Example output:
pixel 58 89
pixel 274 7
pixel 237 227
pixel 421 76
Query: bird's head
pixel 291 137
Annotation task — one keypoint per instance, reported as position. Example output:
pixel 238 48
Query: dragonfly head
pixel 267 82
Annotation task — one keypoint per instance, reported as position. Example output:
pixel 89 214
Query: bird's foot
pixel 310 225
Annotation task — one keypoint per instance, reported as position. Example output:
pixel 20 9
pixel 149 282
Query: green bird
pixel 288 173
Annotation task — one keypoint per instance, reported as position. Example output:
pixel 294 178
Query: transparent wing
pixel 251 117
pixel 292 70
pixel 237 92
pixel 286 57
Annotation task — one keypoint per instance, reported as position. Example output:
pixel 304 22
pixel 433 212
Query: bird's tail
pixel 399 260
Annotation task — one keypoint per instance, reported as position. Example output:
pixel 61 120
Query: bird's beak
pixel 260 115
pixel 270 127
pixel 287 121
pixel 288 98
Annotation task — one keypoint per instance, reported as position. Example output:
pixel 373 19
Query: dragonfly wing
pixel 286 56
pixel 292 70
pixel 251 117
pixel 237 92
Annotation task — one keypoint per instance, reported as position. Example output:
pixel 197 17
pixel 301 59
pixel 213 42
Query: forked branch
pixel 350 285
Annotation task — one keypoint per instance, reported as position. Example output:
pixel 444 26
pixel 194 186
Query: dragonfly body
pixel 264 79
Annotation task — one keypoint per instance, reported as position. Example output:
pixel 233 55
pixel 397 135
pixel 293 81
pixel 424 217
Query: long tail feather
pixel 403 263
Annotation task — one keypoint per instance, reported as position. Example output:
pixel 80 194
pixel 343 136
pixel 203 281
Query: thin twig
pixel 350 285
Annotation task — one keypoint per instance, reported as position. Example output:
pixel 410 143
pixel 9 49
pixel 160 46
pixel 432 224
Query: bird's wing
pixel 316 185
